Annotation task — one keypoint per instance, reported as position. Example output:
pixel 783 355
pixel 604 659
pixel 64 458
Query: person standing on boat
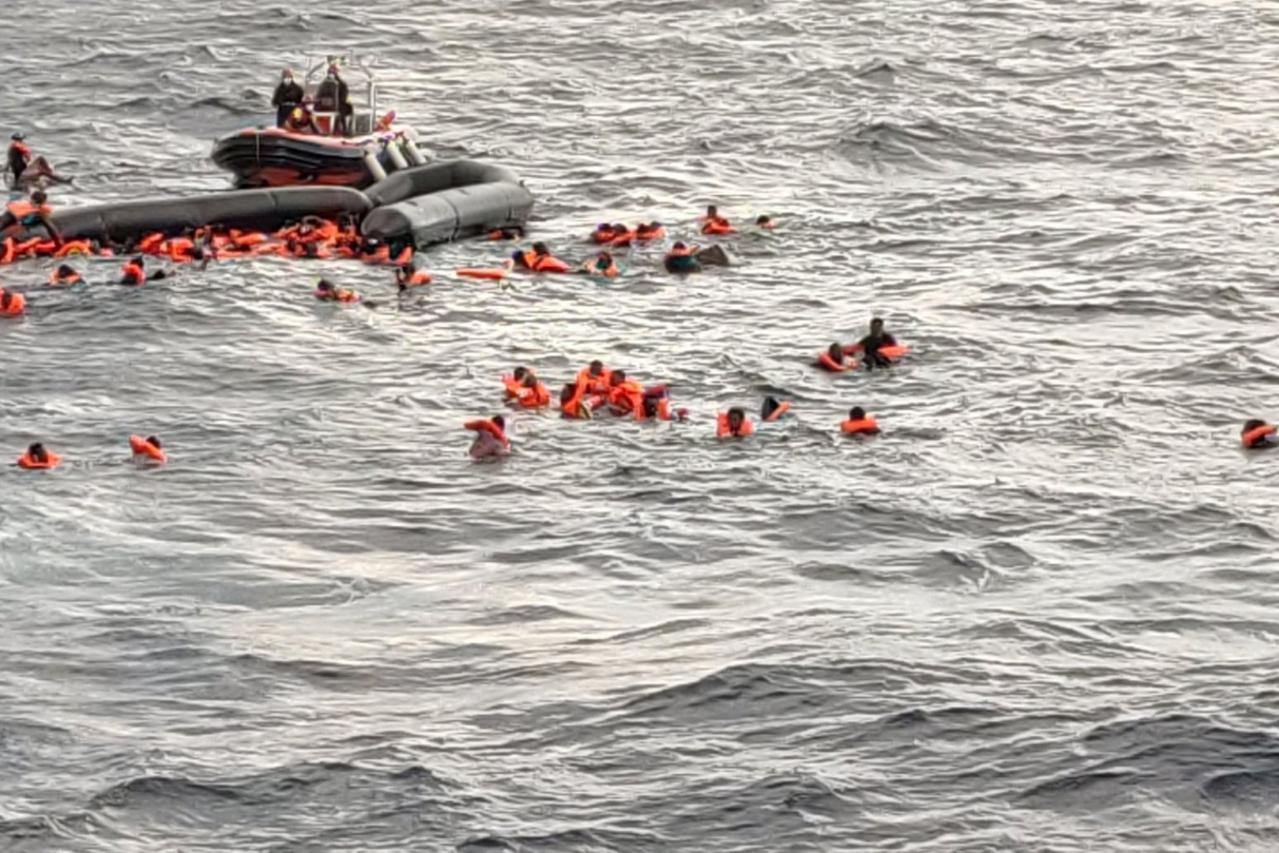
pixel 288 95
pixel 334 96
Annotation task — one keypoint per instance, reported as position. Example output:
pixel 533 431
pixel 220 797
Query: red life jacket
pixel 723 430
pixel 862 426
pixel 131 273
pixel 1256 437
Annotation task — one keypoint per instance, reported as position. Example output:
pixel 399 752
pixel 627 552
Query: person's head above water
pixel 712 211
pixel 499 421
pixel 65 270
pixel 836 352
pixel 678 246
pixel 856 413
pixel 876 324
pixel 519 373
pixel 736 417
pixel 617 377
pixel 1250 425
pixel 540 249
pixel 568 392
pixel 37 452
pixel 324 285
pixel 39 197
pixel 596 367
pixel 6 298
pixel 764 219
pixel 605 257
pixel 530 379
pixel 153 441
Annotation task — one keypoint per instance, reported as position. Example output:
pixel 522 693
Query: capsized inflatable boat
pixel 419 206
pixel 373 146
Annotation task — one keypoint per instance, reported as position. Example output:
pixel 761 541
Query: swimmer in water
pixel 490 438
pixel 834 360
pixel 773 409
pixel 859 423
pixel 513 383
pixel 765 223
pixel 1258 435
pixel 682 259
pixel 871 345
pixel 573 403
pixel 601 265
pixel 39 457
pixel 713 223
pixel 64 275
pixel 326 291
pixel 406 276
pixel 12 304
pixel 734 424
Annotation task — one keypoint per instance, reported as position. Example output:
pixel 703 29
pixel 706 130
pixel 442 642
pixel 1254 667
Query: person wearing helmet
pixel 287 97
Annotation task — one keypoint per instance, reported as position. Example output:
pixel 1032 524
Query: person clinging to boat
pixel 25 167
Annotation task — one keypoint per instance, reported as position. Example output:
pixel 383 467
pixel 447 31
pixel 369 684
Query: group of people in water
pixel 595 389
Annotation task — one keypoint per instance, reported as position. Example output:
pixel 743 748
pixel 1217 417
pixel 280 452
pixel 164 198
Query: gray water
pixel 1036 615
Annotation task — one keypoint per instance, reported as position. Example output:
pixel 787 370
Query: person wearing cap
pixel 287 97
pixel 24 167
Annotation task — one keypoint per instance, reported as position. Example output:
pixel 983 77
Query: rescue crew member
pixel 334 96
pixel 288 97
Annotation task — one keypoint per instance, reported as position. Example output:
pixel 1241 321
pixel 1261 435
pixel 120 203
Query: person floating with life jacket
pixel 27 168
pixel 539 259
pixel 655 404
pixel 1258 435
pixel 733 424
pixel 773 409
pixel 625 396
pixel 147 449
pixel 24 215
pixel 490 438
pixel 134 272
pixel 406 276
pixel 714 224
pixel 649 231
pixel 326 291
pixel 573 402
pixel 834 360
pixel 859 423
pixel 594 379
pixel 64 275
pixel 682 259
pixel 288 97
pixel 604 233
pixel 532 394
pixel 601 265
pixel 12 304
pixel 878 348
pixel 509 232
pixel 765 222
pixel 513 383
pixel 38 458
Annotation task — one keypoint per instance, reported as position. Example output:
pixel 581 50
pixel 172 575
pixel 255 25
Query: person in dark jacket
pixel 288 95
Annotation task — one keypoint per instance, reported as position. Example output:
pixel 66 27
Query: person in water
pixel 601 265
pixel 513 383
pixel 26 167
pixel 773 409
pixel 490 438
pixel 834 360
pixel 765 222
pixel 406 276
pixel 1258 435
pixel 573 402
pixel 38 456
pixel 288 97
pixel 65 275
pixel 681 259
pixel 29 214
pixel 871 344
pixel 532 394
pixel 326 291
pixel 12 304
pixel 734 424
pixel 713 223
pixel 859 423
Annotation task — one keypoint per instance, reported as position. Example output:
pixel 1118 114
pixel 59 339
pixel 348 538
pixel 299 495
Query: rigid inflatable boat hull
pixel 256 210
pixel 272 157
pixel 445 201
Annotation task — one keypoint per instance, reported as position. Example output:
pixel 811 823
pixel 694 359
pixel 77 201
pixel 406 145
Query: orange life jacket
pixel 513 386
pixel 489 427
pixel 535 397
pixel 627 397
pixel 723 430
pixel 74 247
pixel 593 384
pixel 622 238
pixel 1256 436
pixel 28 248
pixel 245 239
pixel 150 244
pixel 21 209
pixel 718 225
pixel 863 426
pixel 645 233
pixel 180 249
pixel 418 277
pixel 825 362
pixel 543 263
pixel 603 235
pixel 131 273
pixel 141 447
pixel 51 460
pixel 56 279
pixel 782 408
pixel 10 252
pixel 573 407
pixel 17 306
